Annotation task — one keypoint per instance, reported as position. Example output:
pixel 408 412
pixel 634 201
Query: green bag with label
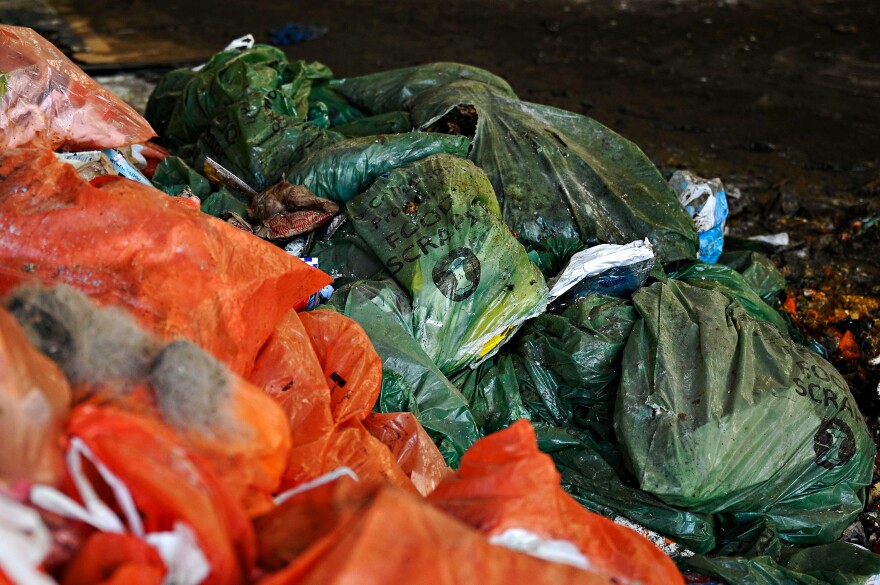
pixel 436 226
pixel 720 412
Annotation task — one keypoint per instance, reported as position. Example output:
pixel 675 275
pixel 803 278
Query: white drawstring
pixel 24 543
pixel 317 482
pixel 179 550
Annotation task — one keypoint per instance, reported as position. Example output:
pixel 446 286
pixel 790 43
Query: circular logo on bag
pixel 457 274
pixel 834 444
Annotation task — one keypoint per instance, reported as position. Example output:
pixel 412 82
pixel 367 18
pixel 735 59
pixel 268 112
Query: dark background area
pixel 778 98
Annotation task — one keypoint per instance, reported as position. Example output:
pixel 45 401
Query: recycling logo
pixel 834 444
pixel 457 274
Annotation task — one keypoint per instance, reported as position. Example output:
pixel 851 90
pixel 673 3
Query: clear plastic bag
pixel 47 101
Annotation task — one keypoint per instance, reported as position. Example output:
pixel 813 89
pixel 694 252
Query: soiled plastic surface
pixel 34 401
pixel 48 102
pixel 697 372
pixel 506 483
pixel 727 280
pixel 436 227
pixel 180 272
pixel 557 173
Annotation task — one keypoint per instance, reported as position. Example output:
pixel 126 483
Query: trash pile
pixel 319 330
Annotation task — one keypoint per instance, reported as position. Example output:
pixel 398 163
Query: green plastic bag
pixel 436 226
pixel 837 563
pixel 597 485
pixel 758 270
pixel 557 173
pixel 173 175
pixel 492 393
pixel 733 284
pixel 390 123
pixel 410 381
pixel 246 109
pixel 561 373
pixel 719 412
pixel 258 140
pixel 163 100
pixel 552 255
pixel 341 170
pixel 572 361
pixel 339 109
pixel 390 91
pixel 230 77
pixel 347 258
pixel 225 200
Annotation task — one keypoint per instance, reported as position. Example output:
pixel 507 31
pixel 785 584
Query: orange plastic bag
pixel 111 361
pixel 248 451
pixel 169 485
pixel 322 369
pixel 111 558
pixel 506 484
pixel 411 446
pixel 300 522
pixel 352 446
pixel 34 403
pixel 287 369
pixel 49 102
pixel 352 372
pixel 352 367
pixel 364 535
pixel 180 272
pixel 250 456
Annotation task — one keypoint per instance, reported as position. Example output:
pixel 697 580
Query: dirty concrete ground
pixel 778 98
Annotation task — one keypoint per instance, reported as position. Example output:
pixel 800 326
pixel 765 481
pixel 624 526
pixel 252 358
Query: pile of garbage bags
pixel 403 326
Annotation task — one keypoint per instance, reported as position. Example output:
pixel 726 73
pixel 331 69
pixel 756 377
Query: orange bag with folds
pixel 322 368
pixel 505 485
pixel 411 446
pixel 353 533
pixel 112 558
pixel 353 373
pixel 50 103
pixel 287 369
pixel 34 403
pixel 352 368
pixel 247 450
pixel 180 272
pixel 168 485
